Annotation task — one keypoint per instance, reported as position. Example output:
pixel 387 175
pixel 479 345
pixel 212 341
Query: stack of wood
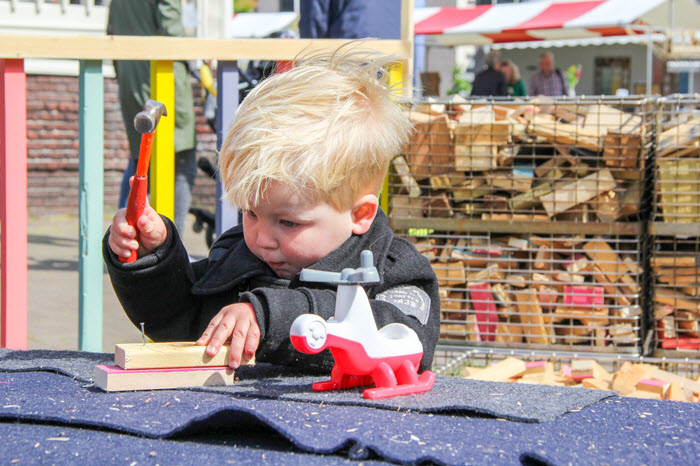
pixel 633 380
pixel 536 161
pixel 676 303
pixel 678 165
pixel 509 290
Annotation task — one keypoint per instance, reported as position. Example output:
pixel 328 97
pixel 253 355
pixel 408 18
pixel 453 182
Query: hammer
pixel 145 123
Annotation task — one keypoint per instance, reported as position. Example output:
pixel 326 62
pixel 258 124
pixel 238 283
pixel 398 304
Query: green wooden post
pixel 90 268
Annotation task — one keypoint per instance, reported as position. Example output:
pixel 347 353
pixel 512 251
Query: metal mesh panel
pixel 570 292
pixel 677 177
pixel 528 161
pixel 675 266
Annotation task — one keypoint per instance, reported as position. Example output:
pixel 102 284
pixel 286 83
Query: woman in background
pixel 516 86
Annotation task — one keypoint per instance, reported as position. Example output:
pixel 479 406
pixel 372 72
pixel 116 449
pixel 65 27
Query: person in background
pixel 490 82
pixel 516 86
pixel 549 80
pixel 155 18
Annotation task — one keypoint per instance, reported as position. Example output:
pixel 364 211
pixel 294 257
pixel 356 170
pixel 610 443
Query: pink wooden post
pixel 13 204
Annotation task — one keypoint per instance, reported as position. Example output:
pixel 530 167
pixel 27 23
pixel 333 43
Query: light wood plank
pixel 178 48
pixel 115 379
pixel 169 355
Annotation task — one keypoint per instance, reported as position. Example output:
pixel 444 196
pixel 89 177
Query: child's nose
pixel 266 240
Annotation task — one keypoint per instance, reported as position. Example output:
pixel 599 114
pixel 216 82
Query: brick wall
pixel 52 146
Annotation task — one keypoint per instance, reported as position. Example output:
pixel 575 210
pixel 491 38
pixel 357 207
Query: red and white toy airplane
pixel 388 357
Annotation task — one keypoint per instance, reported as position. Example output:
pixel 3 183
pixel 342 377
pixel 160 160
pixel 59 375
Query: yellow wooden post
pixel 163 158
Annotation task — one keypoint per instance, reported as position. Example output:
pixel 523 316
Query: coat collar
pixel 238 263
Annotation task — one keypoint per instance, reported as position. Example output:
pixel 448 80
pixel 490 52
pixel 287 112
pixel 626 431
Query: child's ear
pixel 363 213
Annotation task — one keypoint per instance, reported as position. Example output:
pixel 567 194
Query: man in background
pixel 549 80
pixel 490 82
pixel 155 18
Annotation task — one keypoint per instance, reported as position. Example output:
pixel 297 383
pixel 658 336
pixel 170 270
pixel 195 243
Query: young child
pixel 304 160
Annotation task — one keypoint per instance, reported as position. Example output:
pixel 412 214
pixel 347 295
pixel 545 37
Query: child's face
pixel 289 234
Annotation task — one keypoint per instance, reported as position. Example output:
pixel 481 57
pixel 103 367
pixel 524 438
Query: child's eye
pixel 288 223
pixel 251 213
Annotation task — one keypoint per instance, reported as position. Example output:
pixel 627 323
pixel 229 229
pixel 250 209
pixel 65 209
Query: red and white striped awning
pixel 533 21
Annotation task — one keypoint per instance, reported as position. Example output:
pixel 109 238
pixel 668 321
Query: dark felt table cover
pixel 508 401
pixel 613 430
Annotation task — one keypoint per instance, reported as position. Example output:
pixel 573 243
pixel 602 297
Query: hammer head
pixel 147 119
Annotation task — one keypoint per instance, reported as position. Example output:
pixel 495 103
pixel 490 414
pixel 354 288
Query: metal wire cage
pixel 531 213
pixel 539 160
pixel 537 291
pixel 677 164
pixel 675 266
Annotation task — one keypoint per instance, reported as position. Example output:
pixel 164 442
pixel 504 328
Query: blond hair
pixel 328 127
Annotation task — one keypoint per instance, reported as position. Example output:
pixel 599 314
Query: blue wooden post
pixel 226 104
pixel 90 268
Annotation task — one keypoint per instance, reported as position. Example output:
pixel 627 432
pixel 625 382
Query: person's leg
pixel 185 173
pixel 124 188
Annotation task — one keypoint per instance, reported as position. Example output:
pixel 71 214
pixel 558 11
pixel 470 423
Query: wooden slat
pixel 584 189
pixel 178 48
pixel 91 153
pixel 13 203
pixel 115 379
pixel 162 175
pixel 168 355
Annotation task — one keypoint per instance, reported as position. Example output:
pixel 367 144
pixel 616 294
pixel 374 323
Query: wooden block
pixel 430 149
pixel 530 198
pixel 653 386
pixel 403 206
pixel 114 378
pixel 510 181
pixel 677 393
pixel 622 150
pixel 687 263
pixel 539 367
pixel 564 133
pixel 644 394
pixel 588 368
pixel 606 259
pixel 472 189
pixel 544 259
pixel 590 317
pixel 569 195
pixel 684 382
pixel 679 139
pixel 485 310
pixel 467 371
pixel 596 384
pixel 440 182
pixel 408 182
pixel 583 296
pixel 438 206
pixel 501 371
pixel 677 186
pixel 610 289
pixel 450 274
pixel 676 300
pixel 169 355
pixel 531 316
pixel 548 297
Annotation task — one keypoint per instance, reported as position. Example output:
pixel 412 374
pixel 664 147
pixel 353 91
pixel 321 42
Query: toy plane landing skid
pixel 388 357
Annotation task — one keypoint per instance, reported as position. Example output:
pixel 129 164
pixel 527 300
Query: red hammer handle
pixel 139 190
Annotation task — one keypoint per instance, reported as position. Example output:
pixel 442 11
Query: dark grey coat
pixel 176 299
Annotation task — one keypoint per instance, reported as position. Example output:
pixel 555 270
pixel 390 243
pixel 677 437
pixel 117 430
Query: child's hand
pixel 122 236
pixel 237 322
